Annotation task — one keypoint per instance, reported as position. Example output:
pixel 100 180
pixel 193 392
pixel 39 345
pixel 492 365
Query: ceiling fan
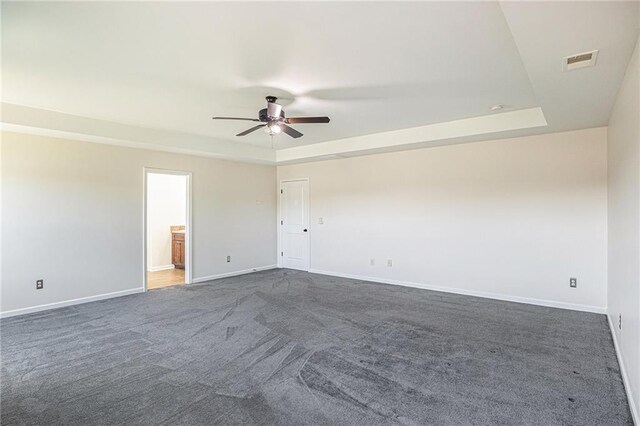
pixel 274 120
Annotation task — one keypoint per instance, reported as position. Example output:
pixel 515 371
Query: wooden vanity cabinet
pixel 177 249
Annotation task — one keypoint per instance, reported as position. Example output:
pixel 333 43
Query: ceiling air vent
pixel 580 60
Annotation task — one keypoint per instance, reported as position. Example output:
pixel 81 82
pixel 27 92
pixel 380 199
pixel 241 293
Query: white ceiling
pixel 153 73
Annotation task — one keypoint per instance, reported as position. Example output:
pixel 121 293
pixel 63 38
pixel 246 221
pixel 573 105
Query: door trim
pixel 302 179
pixel 188 264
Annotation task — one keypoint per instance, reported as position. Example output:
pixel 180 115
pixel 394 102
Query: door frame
pixel 279 224
pixel 188 265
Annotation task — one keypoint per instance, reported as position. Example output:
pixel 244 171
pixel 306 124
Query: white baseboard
pixel 233 274
pixel 160 268
pixel 496 296
pixel 623 371
pixel 39 308
pixel 31 309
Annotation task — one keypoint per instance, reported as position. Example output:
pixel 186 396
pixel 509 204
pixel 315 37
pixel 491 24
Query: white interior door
pixel 294 221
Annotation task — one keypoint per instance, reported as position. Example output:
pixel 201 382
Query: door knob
pixel 305 230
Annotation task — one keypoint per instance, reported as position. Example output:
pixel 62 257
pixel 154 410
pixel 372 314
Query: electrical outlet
pixel 372 262
pixel 228 259
pixel 320 221
pixel 620 321
pixel 39 284
pixel 573 282
pixel 389 262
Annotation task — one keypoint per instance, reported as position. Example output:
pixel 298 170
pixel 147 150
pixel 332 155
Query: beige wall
pixel 510 218
pixel 624 223
pixel 72 215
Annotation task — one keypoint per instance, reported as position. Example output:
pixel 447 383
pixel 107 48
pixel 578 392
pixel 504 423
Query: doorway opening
pixel 167 254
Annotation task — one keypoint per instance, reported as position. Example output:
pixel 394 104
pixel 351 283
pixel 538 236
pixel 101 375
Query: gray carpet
pixel 287 347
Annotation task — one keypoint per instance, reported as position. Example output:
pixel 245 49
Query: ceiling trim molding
pixel 16 128
pixel 416 137
pixel 23 119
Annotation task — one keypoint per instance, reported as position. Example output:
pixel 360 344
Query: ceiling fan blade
pixel 302 120
pixel 234 118
pixel 253 129
pixel 290 131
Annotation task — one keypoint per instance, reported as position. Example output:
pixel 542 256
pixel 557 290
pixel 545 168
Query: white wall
pixel 166 207
pixel 72 215
pixel 510 218
pixel 624 224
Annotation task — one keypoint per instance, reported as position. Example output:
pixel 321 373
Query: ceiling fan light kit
pixel 275 121
pixel 273 129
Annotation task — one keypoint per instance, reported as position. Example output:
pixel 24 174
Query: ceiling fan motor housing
pixel 263 115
